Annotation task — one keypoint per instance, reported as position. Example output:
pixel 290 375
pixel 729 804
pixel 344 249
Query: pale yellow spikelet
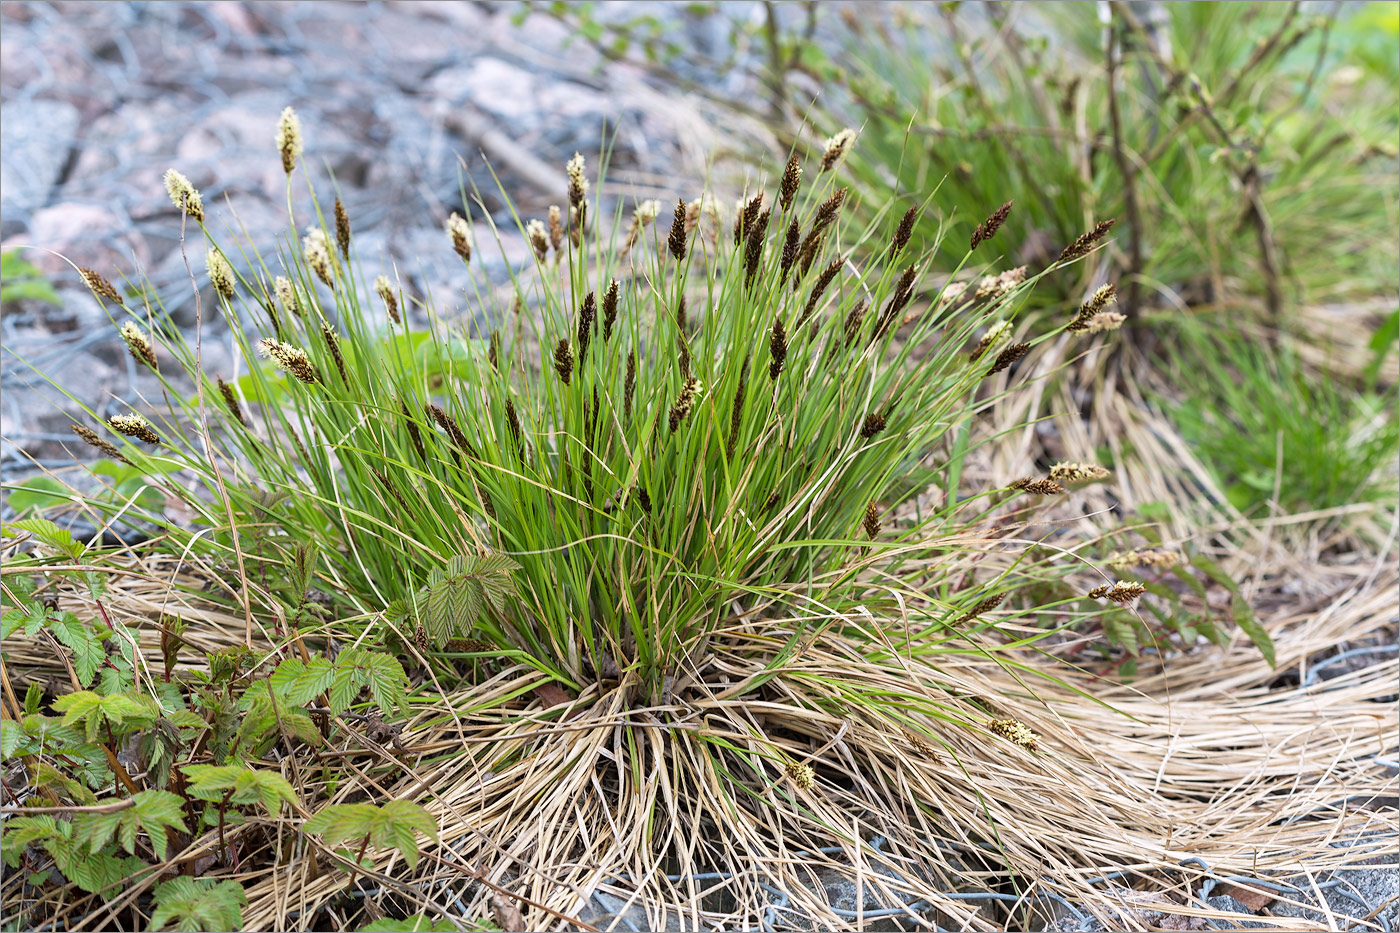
pixel 315 248
pixel 801 775
pixel 461 233
pixel 184 195
pixel 138 345
pixel 1068 472
pixel 220 273
pixel 1015 731
pixel 292 359
pixel 289 142
pixel 837 147
pixel 133 425
pixel 538 236
pixel 385 289
pixel 1103 322
pixel 286 295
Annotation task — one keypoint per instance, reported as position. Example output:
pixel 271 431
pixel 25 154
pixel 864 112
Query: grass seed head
pixel 1155 558
pixel 629 386
pixel 736 411
pixel 100 286
pixel 138 345
pixel 873 424
pixel 988 228
pixel 287 295
pixel 1124 591
pixel 1081 246
pixel 538 236
pixel 684 403
pixel 587 322
pixel 564 361
pixel 792 177
pixel 827 212
pixel 1015 731
pixel 289 142
pixel 854 318
pixel 231 403
pixel 676 241
pixel 1091 309
pixel 609 309
pixel 986 605
pixel 995 334
pixel 184 195
pixel 801 775
pixel 342 229
pixel 789 254
pixel 746 217
pixel 89 436
pixel 994 286
pixel 1038 487
pixel 385 290
pixel 220 273
pixel 133 425
pixel 753 247
pixel 777 349
pixel 333 344
pixel 903 232
pixel 556 228
pixel 461 233
pixel 578 184
pixel 836 148
pixel 1069 472
pixel 317 252
pixel 1008 356
pixel 292 359
pixel 819 288
pixel 871 522
pixel 1103 322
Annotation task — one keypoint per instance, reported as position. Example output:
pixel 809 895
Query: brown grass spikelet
pixel 288 139
pixel 342 230
pixel 609 309
pixel 220 273
pixel 1147 557
pixel 749 216
pixel 556 228
pixel 871 522
pixel 986 605
pixel 587 322
pixel 1008 356
pixel 1091 308
pixel 684 403
pixel 99 285
pixel 922 748
pixel 1071 473
pixel 138 346
pixel 642 216
pixel 643 498
pixel 513 424
pixel 385 289
pixel 287 295
pixel 854 318
pixel 89 436
pixel 753 247
pixel 292 359
pixel 903 232
pixel 460 233
pixel 231 402
pixel 1015 731
pixel 836 148
pixel 629 385
pixel 133 425
pixel 318 255
pixel 1122 592
pixel 1038 487
pixel 789 254
pixel 453 430
pixel 736 411
pixel 777 349
pixel 1081 246
pixel 1104 321
pixel 564 361
pixel 539 239
pixel 333 344
pixel 792 177
pixel 493 350
pixel 414 434
pixel 994 335
pixel 801 775
pixel 186 198
pixel 827 212
pixel 988 228
pixel 677 238
pixel 819 288
pixel 873 424
pixel 903 293
pixel 578 183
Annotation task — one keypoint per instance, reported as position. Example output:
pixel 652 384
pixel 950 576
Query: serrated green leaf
pixel 199 905
pixel 300 683
pixel 87 648
pixel 45 531
pixel 11 734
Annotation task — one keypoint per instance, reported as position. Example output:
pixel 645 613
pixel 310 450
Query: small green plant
pixel 198 904
pixel 23 280
pixel 1270 431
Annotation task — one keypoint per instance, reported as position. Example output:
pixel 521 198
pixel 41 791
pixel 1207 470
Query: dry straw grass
pixel 550 798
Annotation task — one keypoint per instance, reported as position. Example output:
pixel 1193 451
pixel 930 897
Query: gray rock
pixel 1358 893
pixel 1227 903
pixel 608 912
pixel 36 138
